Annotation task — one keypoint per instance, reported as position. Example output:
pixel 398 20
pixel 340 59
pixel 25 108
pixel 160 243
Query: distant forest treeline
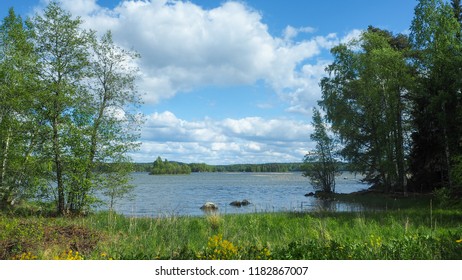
pixel 203 167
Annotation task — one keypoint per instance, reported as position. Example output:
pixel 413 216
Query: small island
pixel 164 167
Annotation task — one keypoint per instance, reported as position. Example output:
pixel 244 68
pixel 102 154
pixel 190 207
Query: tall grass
pixel 397 234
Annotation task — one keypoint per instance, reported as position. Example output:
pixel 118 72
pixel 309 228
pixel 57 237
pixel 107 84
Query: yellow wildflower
pixel 219 249
pixel 70 255
pixel 25 256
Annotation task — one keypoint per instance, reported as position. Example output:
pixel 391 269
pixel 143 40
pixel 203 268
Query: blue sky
pixel 230 81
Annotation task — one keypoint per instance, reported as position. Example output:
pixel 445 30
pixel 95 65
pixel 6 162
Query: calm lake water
pixel 268 192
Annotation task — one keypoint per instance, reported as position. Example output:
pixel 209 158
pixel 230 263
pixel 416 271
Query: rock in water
pixel 245 202
pixel 236 203
pixel 208 206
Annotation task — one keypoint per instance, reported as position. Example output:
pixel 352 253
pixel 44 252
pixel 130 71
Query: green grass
pixel 411 233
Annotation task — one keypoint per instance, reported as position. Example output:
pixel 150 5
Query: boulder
pixel 245 202
pixel 208 206
pixel 310 194
pixel 236 203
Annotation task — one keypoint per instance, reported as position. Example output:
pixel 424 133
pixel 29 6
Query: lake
pixel 181 195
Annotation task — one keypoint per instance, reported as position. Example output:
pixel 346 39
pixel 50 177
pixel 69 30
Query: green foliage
pixel 203 167
pixel 114 122
pixel 142 167
pixel 62 48
pixel 264 167
pixel 321 168
pixel 443 196
pixel 457 10
pixel 457 171
pixel 115 182
pixel 20 127
pixel 160 167
pixel 67 104
pixel 415 247
pixel 436 101
pixel 389 235
pixel 395 101
pixel 364 99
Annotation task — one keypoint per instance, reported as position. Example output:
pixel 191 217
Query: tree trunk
pixel 400 148
pixel 447 153
pixel 58 164
pixel 4 198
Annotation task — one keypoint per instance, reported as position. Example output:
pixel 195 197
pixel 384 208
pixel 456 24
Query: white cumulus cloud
pixel 184 46
pixel 223 141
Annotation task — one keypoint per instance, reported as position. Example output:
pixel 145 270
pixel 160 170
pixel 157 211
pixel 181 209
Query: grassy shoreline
pixel 414 232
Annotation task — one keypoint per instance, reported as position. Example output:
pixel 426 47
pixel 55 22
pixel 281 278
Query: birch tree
pixel 364 97
pixel 322 167
pixel 62 49
pixel 19 125
pixel 115 122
